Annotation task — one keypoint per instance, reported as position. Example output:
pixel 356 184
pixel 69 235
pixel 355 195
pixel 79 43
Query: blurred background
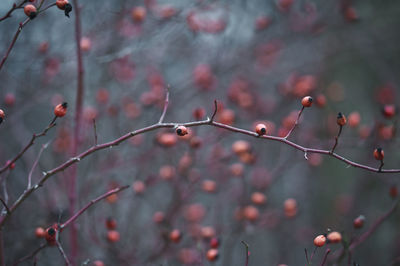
pixel 258 59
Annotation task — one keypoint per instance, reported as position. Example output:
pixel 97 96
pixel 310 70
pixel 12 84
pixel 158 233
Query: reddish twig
pixel 296 123
pixel 31 142
pixel 95 131
pixel 105 195
pixel 33 254
pixel 247 253
pixel 325 256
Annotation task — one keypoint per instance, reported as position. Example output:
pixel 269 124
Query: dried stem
pixel 31 142
pixel 380 167
pixel 325 256
pixel 306 253
pixel 247 253
pixel 165 106
pixel 33 254
pixel 105 195
pixel 337 138
pixel 296 123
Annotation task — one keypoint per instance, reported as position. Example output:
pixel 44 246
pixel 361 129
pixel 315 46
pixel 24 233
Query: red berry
pixel 61 109
pixel 319 241
pixel 181 131
pixel 341 119
pixel 379 154
pixel 111 223
pixel 307 101
pixel 30 10
pixel 261 129
pixel 214 242
pixel 359 221
pixel 61 4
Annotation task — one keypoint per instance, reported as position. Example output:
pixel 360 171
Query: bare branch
pixel 33 254
pixel 5 205
pixel 35 164
pixel 67 262
pixel 325 256
pixel 215 111
pixel 247 252
pixel 95 132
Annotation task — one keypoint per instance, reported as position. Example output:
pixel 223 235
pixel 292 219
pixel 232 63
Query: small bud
pixel 334 237
pixel 319 241
pixel 379 154
pixel 261 129
pixel 181 131
pixel 359 222
pixel 307 101
pixel 341 119
pixel 30 10
pixel 61 109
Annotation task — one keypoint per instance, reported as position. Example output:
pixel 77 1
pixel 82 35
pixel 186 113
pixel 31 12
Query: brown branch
pixel 31 142
pixel 296 123
pixel 33 254
pixel 105 195
pixel 215 111
pixel 35 164
pixel 156 126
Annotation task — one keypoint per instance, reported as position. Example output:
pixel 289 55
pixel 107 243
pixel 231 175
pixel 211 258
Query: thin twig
pixel 308 261
pixel 105 195
pixel 325 256
pixel 215 111
pixel 337 139
pixel 12 9
pixel 247 252
pixel 95 132
pixel 31 142
pixel 165 105
pixel 380 167
pixel 33 254
pixel 5 205
pixel 35 164
pixel 296 123
pixel 67 262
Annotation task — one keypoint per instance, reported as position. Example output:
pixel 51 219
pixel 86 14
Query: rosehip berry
pixel 51 234
pixel 334 237
pixel 261 129
pixel 61 4
pixel 113 236
pixel 175 236
pixel 111 223
pixel 389 110
pixel 319 241
pixel 214 242
pixel 40 232
pixel 341 119
pixel 30 10
pixel 307 101
pixel 181 131
pixel 359 221
pixel 379 154
pixel 212 254
pixel 61 109
pixel 2 115
pixel 138 14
